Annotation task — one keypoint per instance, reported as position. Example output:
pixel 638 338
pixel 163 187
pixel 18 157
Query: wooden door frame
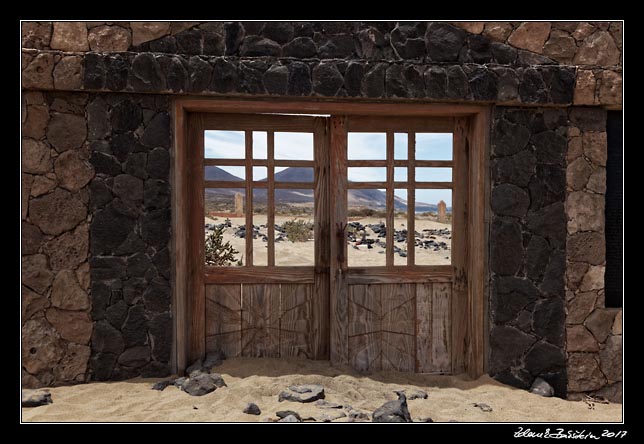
pixel 188 294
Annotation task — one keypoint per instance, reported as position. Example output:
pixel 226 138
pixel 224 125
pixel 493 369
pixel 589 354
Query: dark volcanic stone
pixel 276 79
pixel 370 43
pixel 126 116
pixel 537 256
pixel 255 46
pixel 116 314
pixel 234 35
pixel 553 277
pixel 299 79
pixel 158 165
pixel 353 79
pixel 483 84
pixel 102 365
pixel 252 409
pixel 155 228
pixel 106 339
pixel 516 169
pixel 160 328
pixel 280 32
pixel 146 74
pixel 93 71
pixel 547 186
pixel 157 131
pixel 200 74
pixel 100 295
pixel 508 84
pixel 300 48
pixel 509 138
pixel 118 68
pixel 444 42
pixel 135 165
pixel 337 46
pixel 135 356
pixel 162 385
pixel 435 82
pixel 157 295
pixel 395 82
pixel 515 377
pixel 544 356
pixel 373 82
pixel 302 393
pixel 549 320
pixel 105 164
pixel 167 44
pixel 285 413
pixel 35 398
pixel 225 77
pixel 176 73
pixel 202 384
pixel 98 124
pixel 509 200
pixel 532 89
pixel 108 230
pixel 251 77
pixel 561 82
pixel 507 247
pixel 549 223
pixel 122 145
pixel 134 329
pixel 549 147
pixel 588 118
pixel 510 295
pixel 138 264
pixel 479 49
pixel 393 411
pixel 504 54
pixel 457 83
pixel 161 261
pixel 507 345
pixel 156 194
pixel 107 267
pixel 189 42
pixel 327 80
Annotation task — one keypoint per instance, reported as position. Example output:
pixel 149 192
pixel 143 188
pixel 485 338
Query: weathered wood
pixel 294 185
pixel 296 321
pixel 260 162
pixel 400 163
pixel 338 265
pixel 411 199
pixel 270 217
pixel 249 200
pixel 223 319
pixel 460 250
pixel 195 241
pixel 394 123
pixel 423 328
pixel 365 327
pixel 434 185
pixel 260 320
pixel 258 122
pixel 389 239
pixel 399 274
pixel 322 234
pixel 440 352
pixel 398 305
pixel 268 275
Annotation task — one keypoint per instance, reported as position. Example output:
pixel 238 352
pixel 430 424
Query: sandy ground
pixel 302 253
pixel 260 380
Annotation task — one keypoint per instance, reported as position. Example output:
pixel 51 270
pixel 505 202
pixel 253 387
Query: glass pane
pixel 434 227
pixel 294 222
pixel 367 146
pixel 260 148
pixel 433 174
pixel 294 146
pixel 260 174
pixel 400 174
pixel 224 220
pixel 400 227
pixel 434 146
pixel 260 231
pixel 367 174
pixel 366 229
pixel 225 173
pixel 224 145
pixel 294 174
pixel 400 146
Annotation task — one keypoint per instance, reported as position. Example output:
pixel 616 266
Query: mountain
pixel 357 198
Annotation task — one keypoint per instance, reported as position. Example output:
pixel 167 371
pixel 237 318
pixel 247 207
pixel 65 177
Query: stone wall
pixel 527 247
pixel 129 197
pixel 594 332
pixel 56 322
pixel 96 152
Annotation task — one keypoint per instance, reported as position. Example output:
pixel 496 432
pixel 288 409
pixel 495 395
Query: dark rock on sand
pixel 252 409
pixel 285 413
pixel 35 398
pixel 482 406
pixel 393 411
pixel 302 393
pixel 162 385
pixel 202 383
pixel 289 418
pixel 542 388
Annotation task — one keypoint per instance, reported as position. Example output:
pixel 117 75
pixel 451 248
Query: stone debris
pixel 36 398
pixel 284 413
pixel 212 359
pixel 482 406
pixel 393 411
pixel 358 416
pixel 424 420
pixel 252 409
pixel 542 388
pixel 327 404
pixel 331 416
pixel 162 385
pixel 199 384
pixel 415 394
pixel 302 393
pixel 289 418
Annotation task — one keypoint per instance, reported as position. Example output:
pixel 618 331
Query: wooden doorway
pixel 408 312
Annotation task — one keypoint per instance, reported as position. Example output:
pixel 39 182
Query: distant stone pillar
pixel 442 212
pixel 239 204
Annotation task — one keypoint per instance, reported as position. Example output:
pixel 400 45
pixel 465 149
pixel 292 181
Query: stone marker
pixel 442 212
pixel 239 204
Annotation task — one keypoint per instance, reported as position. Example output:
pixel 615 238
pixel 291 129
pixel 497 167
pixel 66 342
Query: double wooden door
pixel 359 291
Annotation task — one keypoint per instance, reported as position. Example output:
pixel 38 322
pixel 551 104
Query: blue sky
pixel 361 146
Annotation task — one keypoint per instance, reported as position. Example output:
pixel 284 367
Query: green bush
pixel 297 230
pixel 219 253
